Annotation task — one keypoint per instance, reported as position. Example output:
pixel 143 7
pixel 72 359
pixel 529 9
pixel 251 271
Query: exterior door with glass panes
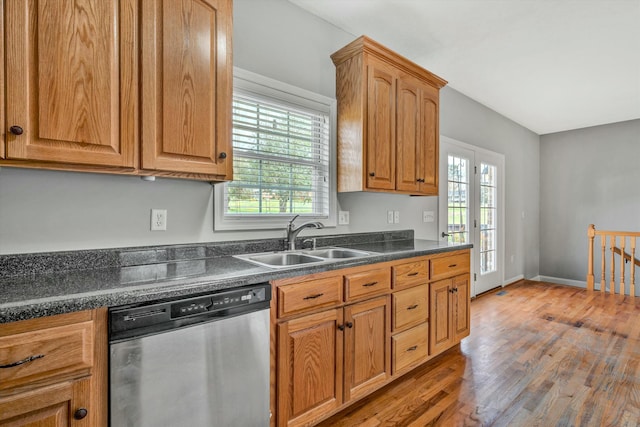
pixel 488 253
pixel 470 208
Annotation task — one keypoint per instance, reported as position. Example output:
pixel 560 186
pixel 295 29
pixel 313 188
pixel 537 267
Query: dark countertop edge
pixel 141 293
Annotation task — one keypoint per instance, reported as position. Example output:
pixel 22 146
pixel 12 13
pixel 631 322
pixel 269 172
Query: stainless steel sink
pixel 302 257
pixel 282 259
pixel 332 253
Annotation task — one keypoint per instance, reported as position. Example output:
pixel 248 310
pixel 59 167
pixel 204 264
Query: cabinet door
pixel 461 307
pixel 367 346
pixel 440 316
pixel 53 406
pixel 309 367
pixel 380 139
pixel 408 140
pixel 187 86
pixel 429 136
pixel 71 83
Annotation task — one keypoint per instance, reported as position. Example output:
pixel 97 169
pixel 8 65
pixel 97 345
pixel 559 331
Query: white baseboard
pixel 561 281
pixel 513 280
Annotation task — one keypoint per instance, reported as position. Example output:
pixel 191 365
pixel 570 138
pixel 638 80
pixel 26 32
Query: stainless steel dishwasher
pixel 198 362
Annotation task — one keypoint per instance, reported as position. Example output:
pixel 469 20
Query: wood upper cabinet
pixel 187 86
pixel 380 152
pixel 309 367
pixel 119 86
pixel 417 137
pixel 387 121
pixel 71 82
pixel 367 347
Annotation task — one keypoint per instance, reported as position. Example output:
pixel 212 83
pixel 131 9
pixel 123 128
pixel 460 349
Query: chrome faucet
pixel 292 232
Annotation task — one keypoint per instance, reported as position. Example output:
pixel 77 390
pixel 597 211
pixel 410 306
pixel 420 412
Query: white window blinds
pixel 280 159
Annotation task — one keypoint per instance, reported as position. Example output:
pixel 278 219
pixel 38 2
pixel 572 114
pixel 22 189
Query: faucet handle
pixel 293 219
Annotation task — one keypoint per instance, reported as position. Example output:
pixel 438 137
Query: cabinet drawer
pixel 410 274
pixel 308 295
pixel 44 353
pixel 410 307
pixel 449 266
pixel 409 348
pixel 367 283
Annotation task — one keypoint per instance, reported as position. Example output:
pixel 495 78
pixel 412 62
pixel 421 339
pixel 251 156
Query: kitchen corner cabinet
pixel 119 86
pixel 388 114
pixel 54 371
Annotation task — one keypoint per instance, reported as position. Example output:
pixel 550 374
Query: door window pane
pixel 488 212
pixel 457 200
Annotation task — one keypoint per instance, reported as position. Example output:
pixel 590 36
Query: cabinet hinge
pixel 475 277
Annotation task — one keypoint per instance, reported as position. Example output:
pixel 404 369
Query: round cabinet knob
pixel 80 413
pixel 223 155
pixel 16 130
pixel 372 174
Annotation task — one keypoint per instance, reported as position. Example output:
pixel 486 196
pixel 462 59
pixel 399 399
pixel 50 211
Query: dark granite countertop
pixel 35 285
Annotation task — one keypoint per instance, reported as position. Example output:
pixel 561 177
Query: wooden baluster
pixel 603 277
pixel 632 285
pixel 612 275
pixel 622 287
pixel 591 233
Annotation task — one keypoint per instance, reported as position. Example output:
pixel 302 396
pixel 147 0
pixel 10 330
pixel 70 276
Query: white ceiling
pixel 549 65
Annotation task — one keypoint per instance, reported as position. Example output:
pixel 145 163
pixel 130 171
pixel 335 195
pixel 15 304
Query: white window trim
pixel 252 82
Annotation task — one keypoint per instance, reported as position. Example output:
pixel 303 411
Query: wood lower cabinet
pixel 310 352
pixel 340 335
pixel 449 312
pixel 388 114
pixel 367 363
pixel 56 406
pixel 54 371
pixel 118 86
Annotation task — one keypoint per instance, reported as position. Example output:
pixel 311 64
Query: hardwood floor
pixel 539 354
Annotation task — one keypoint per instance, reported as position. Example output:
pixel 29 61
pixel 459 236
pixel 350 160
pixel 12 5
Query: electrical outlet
pixel 396 217
pixel 428 216
pixel 158 219
pixel 389 217
pixel 343 217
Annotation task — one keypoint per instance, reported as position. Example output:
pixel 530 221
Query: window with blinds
pixel 280 159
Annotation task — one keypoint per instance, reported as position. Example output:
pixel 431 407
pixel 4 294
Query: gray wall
pixel 47 211
pixel 587 176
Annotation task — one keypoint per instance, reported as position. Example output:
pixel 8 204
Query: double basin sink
pixel 303 256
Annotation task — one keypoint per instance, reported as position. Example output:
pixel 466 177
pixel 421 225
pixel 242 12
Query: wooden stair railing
pixel 616 247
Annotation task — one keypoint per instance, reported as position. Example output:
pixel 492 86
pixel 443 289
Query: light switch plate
pixel 389 217
pixel 428 216
pixel 343 217
pixel 396 217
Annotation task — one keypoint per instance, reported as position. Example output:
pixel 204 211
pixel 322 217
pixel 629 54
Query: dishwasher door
pixel 213 374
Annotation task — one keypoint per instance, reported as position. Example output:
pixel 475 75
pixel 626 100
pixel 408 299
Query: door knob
pixel 445 234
